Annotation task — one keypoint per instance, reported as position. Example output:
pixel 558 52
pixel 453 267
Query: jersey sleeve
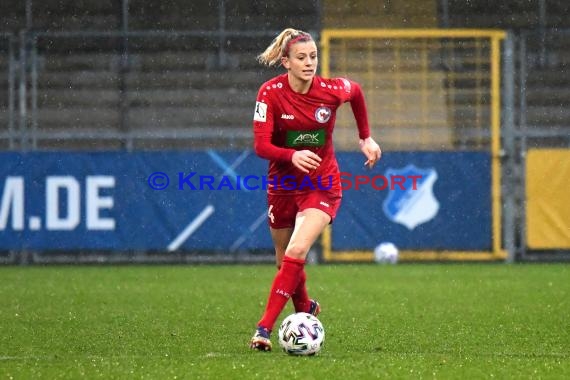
pixel 354 94
pixel 263 124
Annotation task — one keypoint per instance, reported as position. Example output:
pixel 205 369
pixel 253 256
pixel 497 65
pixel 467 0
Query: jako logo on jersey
pixel 260 113
pixel 323 114
pixel 287 117
pixel 324 204
pixel 307 139
pixel 412 207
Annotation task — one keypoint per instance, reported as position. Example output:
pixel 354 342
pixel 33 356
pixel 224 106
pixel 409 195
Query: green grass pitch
pixel 416 321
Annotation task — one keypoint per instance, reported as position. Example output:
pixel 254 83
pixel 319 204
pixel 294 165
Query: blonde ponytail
pixel 280 46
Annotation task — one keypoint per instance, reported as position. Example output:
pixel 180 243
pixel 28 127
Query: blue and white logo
pixel 406 205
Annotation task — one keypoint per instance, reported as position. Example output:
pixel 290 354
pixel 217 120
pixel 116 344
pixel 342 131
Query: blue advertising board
pixel 431 200
pixel 118 201
pixel 215 201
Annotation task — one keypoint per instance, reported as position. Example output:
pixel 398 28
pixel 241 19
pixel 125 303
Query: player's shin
pixel 284 285
pixel 300 296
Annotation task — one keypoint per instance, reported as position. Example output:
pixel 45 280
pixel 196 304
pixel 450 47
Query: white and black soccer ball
pixel 386 253
pixel 301 334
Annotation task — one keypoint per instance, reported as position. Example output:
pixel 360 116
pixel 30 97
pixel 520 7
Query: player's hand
pixel 305 160
pixel 371 150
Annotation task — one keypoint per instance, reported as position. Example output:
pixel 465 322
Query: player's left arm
pixel 368 146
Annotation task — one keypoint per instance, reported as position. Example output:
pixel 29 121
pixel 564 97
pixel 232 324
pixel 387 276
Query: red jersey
pixel 285 121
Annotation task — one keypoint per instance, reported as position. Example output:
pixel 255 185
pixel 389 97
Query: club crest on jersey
pixel 323 114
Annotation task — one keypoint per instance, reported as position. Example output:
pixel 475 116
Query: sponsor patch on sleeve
pixel 260 113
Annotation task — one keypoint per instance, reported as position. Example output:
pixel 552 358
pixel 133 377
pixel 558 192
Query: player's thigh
pixel 326 201
pixel 309 224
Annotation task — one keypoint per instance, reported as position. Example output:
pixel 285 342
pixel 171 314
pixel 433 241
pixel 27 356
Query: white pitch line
pixel 191 228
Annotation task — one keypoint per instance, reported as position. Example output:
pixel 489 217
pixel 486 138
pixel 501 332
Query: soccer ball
pixel 386 253
pixel 301 334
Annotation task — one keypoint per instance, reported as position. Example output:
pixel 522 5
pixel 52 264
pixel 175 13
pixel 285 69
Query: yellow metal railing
pixel 426 89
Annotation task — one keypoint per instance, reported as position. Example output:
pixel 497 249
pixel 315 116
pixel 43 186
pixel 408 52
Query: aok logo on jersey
pixel 305 138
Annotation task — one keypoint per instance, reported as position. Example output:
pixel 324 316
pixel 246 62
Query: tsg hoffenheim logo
pixel 408 206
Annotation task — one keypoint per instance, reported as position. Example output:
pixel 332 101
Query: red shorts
pixel 282 209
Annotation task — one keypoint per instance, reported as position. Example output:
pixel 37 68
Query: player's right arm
pixel 263 125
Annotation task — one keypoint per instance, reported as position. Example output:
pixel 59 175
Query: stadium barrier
pixel 427 89
pixel 136 90
pixel 540 140
pixel 186 204
pixel 547 207
pixel 8 70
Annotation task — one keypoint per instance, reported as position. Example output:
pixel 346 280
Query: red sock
pixel 300 297
pixel 284 284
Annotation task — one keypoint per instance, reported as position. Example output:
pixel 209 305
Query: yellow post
pixel 496 144
pixel 325 54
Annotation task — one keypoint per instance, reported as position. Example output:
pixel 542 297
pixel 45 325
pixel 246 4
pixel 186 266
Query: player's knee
pixel 297 251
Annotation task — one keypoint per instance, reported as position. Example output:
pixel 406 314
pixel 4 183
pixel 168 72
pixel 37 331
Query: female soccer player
pixel 293 124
